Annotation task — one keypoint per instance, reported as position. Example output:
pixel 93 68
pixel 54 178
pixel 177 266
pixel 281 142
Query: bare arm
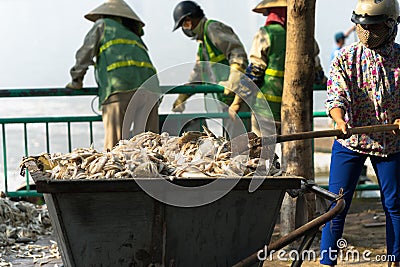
pixel 349 31
pixel 337 114
pixel 397 121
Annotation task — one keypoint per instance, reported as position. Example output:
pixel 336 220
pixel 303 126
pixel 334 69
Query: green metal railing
pixel 92 91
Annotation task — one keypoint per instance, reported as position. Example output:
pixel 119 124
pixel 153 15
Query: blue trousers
pixel 345 169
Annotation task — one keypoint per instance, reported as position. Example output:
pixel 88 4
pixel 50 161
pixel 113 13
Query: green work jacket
pixel 122 63
pixel 272 87
pixel 214 55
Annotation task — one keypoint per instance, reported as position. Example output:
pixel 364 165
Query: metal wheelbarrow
pixel 113 222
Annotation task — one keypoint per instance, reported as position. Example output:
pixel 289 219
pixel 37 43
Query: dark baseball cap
pixel 339 36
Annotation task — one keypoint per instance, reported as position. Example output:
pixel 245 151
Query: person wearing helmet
pixel 122 65
pixel 219 47
pixel 363 89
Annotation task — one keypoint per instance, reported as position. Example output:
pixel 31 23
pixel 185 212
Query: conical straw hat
pixel 113 8
pixel 263 5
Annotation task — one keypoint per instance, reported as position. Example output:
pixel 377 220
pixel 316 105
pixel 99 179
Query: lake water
pixel 73 106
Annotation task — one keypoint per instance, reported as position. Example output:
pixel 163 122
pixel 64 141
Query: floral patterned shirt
pixel 365 84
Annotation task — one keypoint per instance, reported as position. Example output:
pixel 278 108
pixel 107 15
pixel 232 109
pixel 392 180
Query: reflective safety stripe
pixel 213 57
pixel 121 41
pixel 275 73
pixel 130 63
pixel 210 51
pixel 271 98
pixel 218 58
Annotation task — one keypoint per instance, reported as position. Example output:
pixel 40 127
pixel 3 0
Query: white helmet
pixel 375 11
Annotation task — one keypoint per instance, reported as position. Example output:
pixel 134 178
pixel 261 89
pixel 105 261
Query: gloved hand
pixel 179 104
pixel 74 85
pixel 233 82
pixel 246 87
pixel 234 107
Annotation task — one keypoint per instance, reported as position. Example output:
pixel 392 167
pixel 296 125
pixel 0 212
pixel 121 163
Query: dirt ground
pixel 364 233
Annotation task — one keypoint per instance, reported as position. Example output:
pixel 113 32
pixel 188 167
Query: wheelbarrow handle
pixel 329 133
pixel 302 230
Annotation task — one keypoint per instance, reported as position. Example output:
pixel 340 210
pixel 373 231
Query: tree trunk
pixel 297 107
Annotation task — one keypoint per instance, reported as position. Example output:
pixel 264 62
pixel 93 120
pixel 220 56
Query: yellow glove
pixel 74 85
pixel 234 107
pixel 233 82
pixel 179 104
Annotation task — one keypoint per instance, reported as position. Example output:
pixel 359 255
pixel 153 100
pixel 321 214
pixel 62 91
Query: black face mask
pixel 189 33
pixel 373 37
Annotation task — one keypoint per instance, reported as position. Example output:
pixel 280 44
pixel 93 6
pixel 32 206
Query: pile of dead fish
pixel 37 255
pixel 21 225
pixel 195 154
pixel 22 222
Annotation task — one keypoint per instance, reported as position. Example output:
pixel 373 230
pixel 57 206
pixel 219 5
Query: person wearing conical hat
pixel 266 68
pixel 221 58
pixel 122 65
